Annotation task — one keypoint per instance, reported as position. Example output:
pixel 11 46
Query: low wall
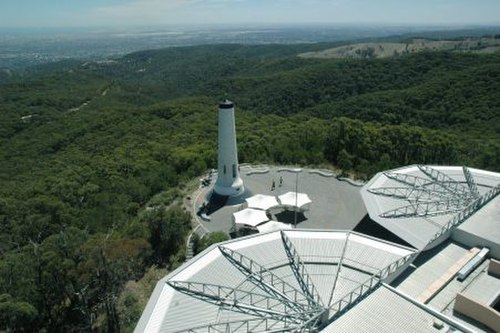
pixel 257 171
pixel 477 311
pixel 494 267
pixel 350 181
pixel 322 173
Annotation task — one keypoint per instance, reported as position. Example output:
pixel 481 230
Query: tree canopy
pixel 85 146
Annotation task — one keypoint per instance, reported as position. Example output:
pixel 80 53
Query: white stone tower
pixel 228 181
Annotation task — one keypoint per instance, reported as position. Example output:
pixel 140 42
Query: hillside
pixel 374 50
pixel 87 146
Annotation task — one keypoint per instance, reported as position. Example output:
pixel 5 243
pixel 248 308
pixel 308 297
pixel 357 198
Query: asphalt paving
pixel 336 204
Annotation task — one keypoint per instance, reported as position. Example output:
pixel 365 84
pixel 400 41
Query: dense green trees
pixel 69 277
pixel 368 148
pixel 84 148
pixel 15 315
pixel 167 228
pixel 209 239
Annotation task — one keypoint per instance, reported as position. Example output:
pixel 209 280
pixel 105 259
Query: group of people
pixel 273 184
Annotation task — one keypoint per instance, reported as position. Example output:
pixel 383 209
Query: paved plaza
pixel 336 204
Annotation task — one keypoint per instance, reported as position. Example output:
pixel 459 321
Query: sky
pixel 124 13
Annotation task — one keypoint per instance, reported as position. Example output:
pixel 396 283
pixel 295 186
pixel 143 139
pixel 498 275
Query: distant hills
pixel 24 47
pixel 373 50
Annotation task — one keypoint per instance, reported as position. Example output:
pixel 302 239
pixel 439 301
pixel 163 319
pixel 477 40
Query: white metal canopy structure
pixel 293 199
pixel 251 217
pixel 420 203
pixel 261 201
pixel 284 281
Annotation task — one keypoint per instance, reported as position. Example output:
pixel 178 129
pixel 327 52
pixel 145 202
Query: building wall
pixel 477 311
pixel 472 240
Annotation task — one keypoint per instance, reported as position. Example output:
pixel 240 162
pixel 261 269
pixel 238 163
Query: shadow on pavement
pixel 288 216
pixel 215 202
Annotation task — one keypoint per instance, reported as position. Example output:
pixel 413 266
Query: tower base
pixel 233 190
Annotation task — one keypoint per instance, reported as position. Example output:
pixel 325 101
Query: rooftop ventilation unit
pixel 472 264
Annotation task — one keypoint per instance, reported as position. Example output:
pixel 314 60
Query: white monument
pixel 228 181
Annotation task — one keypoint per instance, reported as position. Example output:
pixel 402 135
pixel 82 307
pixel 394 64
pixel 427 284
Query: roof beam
pixel 409 180
pixel 243 326
pixel 260 325
pixel 470 182
pixel 426 209
pixel 395 192
pixel 232 299
pixel 444 180
pixel 339 266
pixel 300 272
pixel 429 192
pixel 267 281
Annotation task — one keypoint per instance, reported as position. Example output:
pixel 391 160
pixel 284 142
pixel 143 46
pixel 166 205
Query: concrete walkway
pixel 335 204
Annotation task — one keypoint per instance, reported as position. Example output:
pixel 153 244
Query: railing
pixel 259 325
pixel 391 268
pixel 345 302
pixel 251 325
pixel 466 213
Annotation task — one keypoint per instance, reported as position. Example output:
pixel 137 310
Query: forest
pixel 96 157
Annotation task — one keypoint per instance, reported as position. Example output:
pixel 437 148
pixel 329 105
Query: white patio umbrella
pixel 291 199
pixel 261 201
pixel 273 226
pixel 251 217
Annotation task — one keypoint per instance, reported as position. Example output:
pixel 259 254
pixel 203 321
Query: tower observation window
pixel 234 170
pixel 224 169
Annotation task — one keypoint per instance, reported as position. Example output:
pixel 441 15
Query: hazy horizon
pixel 363 29
pixel 28 14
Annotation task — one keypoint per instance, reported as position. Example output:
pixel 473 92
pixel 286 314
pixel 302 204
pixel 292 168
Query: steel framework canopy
pixel 284 281
pixel 420 203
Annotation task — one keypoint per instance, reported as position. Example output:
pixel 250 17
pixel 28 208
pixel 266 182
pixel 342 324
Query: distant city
pixel 21 48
